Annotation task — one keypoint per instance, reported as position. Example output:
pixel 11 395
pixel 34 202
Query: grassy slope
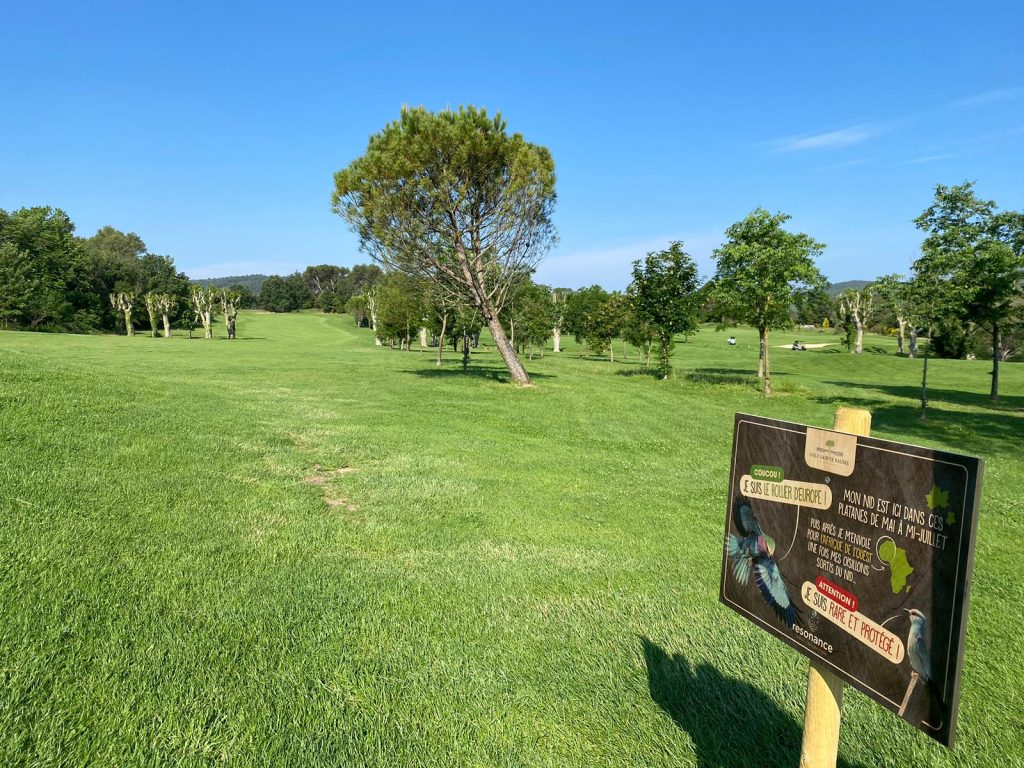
pixel 509 577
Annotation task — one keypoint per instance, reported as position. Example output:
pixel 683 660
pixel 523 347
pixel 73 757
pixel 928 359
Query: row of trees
pixel 52 279
pixel 454 200
pixel 662 302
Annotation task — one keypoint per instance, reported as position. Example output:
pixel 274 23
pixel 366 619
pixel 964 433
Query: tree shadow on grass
pixel 1006 403
pixel 980 433
pixel 727 376
pixel 731 723
pixel 494 373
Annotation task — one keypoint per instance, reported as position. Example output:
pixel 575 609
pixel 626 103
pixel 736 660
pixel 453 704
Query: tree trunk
pixel 664 364
pixel 764 370
pixel 440 337
pixel 373 324
pixel 762 351
pixel 423 338
pixel 903 329
pixel 924 380
pixel 913 341
pixel 128 323
pixel 557 333
pixel 611 351
pixel 167 326
pixel 508 355
pixel 207 325
pixel 997 353
pixel 858 347
pixel 152 322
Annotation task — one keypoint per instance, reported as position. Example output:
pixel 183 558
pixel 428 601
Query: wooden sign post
pixel 824 690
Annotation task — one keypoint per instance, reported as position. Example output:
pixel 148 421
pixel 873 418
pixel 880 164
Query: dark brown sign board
pixel 857 552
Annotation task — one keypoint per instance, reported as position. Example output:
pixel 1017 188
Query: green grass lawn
pixel 299 549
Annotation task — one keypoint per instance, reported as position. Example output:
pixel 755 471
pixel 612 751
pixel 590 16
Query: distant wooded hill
pixel 252 282
pixel 834 289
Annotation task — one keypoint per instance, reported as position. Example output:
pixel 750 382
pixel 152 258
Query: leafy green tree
pixel 640 333
pixel 814 306
pixel 285 294
pixel 454 198
pixel 761 271
pixel 401 307
pixel 329 285
pixel 530 317
pixel 45 281
pixel 580 317
pixel 246 298
pixel 978 254
pixel 664 296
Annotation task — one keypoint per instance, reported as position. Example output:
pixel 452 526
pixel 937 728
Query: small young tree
pixel 760 270
pixel 640 333
pixel 123 301
pixel 580 317
pixel 664 295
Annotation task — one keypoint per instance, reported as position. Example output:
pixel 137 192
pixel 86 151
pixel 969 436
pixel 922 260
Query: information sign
pixel 857 552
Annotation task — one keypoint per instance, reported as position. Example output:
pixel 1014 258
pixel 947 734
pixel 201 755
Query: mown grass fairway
pixel 299 549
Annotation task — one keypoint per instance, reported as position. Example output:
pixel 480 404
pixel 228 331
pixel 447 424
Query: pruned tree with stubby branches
pixel 229 302
pixel 454 198
pixel 203 301
pixel 124 301
pixel 858 307
pixel 166 304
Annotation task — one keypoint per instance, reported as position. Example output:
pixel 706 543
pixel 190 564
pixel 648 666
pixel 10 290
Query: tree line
pixel 53 280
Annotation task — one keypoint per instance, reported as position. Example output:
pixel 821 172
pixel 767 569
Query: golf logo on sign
pixel 857 552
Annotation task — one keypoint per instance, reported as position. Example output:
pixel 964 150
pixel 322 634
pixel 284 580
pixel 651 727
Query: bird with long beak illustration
pixel 918 654
pixel 920 657
pixel 753 551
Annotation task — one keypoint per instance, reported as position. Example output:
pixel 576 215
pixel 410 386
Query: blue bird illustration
pixel 753 551
pixel 920 658
pixel 918 654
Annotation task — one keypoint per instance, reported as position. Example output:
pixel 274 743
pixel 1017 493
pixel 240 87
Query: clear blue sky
pixel 213 130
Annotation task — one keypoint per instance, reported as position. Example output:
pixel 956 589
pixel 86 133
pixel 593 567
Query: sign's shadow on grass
pixel 732 723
